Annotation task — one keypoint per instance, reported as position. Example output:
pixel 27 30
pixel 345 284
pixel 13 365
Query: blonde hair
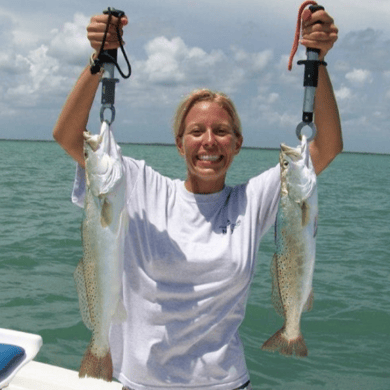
pixel 201 95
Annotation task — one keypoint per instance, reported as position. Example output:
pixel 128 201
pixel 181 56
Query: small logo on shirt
pixel 229 226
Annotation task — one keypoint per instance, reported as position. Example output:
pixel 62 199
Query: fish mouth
pixel 301 152
pixel 93 140
pixel 293 153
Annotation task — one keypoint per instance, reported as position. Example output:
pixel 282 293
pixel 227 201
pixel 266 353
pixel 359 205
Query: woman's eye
pixel 196 132
pixel 222 131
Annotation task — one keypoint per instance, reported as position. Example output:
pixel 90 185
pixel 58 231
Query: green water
pixel 347 332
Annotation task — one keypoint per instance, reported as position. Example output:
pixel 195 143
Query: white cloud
pixel 288 120
pixel 172 63
pixel 12 63
pixel 44 50
pixel 369 48
pixel 343 93
pixel 273 97
pixel 359 76
pixel 265 97
pixel 40 75
pixel 255 62
pixel 40 80
pixel 70 43
pixel 341 66
pixel 282 120
pixel 28 27
pixel 164 57
pixel 261 60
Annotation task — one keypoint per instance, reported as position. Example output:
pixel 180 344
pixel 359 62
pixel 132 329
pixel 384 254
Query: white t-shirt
pixel 189 262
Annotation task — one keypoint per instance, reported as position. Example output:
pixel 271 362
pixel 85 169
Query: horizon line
pixel 171 144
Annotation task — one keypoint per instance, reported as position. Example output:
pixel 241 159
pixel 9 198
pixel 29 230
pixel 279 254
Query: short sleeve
pixel 78 191
pixel 266 189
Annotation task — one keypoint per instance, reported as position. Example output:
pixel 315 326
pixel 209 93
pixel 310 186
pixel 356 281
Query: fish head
pixel 94 156
pixel 96 161
pixel 298 178
pixel 103 164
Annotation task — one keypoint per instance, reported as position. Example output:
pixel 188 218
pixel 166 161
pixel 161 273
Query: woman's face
pixel 208 145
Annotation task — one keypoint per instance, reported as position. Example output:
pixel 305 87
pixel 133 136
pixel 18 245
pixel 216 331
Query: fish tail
pixel 95 367
pixel 278 342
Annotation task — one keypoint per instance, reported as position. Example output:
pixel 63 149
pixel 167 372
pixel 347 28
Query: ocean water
pixel 347 332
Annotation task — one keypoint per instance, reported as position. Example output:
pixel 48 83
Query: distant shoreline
pixel 167 144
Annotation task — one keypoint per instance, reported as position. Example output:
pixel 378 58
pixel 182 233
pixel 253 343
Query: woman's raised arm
pixel 72 122
pixel 320 32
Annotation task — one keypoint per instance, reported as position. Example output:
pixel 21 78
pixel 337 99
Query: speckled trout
pixel 292 266
pixel 98 275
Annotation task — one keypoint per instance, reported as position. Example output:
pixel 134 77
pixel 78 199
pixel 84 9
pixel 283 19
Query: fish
pixel 98 275
pixel 292 266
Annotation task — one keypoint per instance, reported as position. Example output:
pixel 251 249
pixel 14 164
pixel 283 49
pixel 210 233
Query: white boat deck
pixel 40 376
pixel 31 375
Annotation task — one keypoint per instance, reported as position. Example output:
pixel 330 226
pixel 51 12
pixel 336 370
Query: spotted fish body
pixel 293 262
pixel 98 274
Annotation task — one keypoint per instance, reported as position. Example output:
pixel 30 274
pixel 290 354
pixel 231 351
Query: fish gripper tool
pixel 310 82
pixel 107 59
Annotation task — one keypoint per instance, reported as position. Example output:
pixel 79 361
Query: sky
pixel 239 47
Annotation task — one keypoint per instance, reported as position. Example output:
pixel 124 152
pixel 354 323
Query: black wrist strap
pixel 104 55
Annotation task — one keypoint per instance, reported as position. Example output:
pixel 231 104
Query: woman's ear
pixel 179 145
pixel 239 142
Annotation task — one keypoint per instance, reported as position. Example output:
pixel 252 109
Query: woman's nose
pixel 209 138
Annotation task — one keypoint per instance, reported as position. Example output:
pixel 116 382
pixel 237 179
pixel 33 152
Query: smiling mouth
pixel 211 158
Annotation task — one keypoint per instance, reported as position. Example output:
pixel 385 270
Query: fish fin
pixel 120 314
pixel 278 342
pixel 305 213
pixel 82 293
pixel 309 303
pixel 95 367
pixel 106 213
pixel 276 299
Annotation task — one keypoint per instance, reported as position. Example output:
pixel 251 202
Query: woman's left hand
pixel 318 31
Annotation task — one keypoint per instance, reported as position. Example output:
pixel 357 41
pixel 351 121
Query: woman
pixel 191 246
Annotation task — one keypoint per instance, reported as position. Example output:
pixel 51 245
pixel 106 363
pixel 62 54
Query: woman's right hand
pixel 97 28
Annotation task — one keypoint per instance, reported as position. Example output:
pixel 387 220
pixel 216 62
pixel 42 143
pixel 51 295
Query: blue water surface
pixel 347 332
